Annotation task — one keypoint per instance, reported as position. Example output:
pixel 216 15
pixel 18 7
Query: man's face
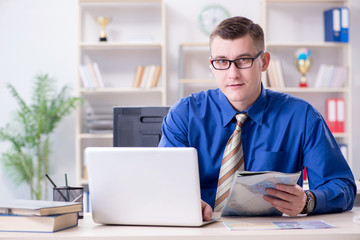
pixel 241 86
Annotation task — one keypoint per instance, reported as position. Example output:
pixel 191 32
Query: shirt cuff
pixel 320 200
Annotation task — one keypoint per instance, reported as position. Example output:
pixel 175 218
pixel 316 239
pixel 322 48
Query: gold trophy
pixel 103 21
pixel 303 63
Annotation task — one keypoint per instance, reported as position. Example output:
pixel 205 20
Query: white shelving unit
pixel 291 24
pixel 194 75
pixel 135 36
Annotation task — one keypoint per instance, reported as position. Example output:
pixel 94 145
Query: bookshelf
pixel 293 24
pixel 135 36
pixel 194 75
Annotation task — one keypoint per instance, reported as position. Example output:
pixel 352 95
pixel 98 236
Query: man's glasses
pixel 241 63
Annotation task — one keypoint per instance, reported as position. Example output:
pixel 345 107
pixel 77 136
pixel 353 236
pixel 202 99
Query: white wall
pixel 40 36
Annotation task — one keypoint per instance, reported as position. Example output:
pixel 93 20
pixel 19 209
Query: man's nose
pixel 234 72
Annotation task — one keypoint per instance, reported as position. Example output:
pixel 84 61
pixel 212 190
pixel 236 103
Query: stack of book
pixel 147 76
pixel 275 75
pixel 91 77
pixel 330 76
pixel 38 216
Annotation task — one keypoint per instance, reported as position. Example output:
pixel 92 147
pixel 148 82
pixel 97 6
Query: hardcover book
pixel 38 207
pixel 52 223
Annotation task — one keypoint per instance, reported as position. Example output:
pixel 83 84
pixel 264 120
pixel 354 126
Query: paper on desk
pixel 315 224
pixel 248 189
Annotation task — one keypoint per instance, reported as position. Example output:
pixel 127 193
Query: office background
pixel 40 36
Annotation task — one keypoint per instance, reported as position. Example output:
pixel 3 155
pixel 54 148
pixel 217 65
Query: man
pixel 280 133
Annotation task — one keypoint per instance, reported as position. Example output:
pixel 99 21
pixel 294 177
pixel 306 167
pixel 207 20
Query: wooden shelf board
pixel 119 1
pixel 120 90
pixel 95 136
pixel 306 44
pixel 308 1
pixel 192 81
pixel 114 45
pixel 194 44
pixel 310 90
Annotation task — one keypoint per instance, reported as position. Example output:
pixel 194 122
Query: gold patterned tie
pixel 233 160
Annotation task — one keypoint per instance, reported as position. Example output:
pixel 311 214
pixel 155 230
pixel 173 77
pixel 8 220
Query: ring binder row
pixel 336 22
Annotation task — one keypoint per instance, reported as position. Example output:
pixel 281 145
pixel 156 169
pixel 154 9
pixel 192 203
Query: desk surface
pixel 87 229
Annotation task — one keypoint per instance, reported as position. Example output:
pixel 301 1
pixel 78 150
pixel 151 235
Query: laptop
pixel 144 186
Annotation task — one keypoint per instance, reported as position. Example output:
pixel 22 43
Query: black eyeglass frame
pixel 234 61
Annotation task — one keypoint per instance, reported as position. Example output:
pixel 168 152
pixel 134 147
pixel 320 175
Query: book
pixel 98 75
pixel 247 191
pixel 150 75
pixel 156 76
pixel 51 223
pixel 93 77
pixel 86 77
pixel 138 76
pixel 38 207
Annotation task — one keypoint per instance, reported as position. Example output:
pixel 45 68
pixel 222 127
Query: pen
pixel 54 185
pixel 67 188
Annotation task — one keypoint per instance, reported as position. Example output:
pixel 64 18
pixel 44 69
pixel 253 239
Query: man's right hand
pixel 206 211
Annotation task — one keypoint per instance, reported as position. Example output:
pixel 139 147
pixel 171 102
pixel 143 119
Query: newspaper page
pixel 248 189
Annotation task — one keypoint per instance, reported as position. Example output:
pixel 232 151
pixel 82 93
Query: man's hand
pixel 289 199
pixel 206 211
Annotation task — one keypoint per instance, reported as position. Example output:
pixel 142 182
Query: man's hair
pixel 237 27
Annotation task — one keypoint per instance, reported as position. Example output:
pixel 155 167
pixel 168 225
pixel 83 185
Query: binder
pixel 335 114
pixel 344 24
pixel 332 25
pixel 340 115
pixel 331 114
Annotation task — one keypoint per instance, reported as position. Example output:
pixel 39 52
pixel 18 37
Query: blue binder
pixel 344 24
pixel 332 25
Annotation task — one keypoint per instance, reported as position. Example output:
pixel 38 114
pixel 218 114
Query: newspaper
pixel 247 191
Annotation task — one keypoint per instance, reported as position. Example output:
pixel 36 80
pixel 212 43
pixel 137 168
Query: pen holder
pixel 70 194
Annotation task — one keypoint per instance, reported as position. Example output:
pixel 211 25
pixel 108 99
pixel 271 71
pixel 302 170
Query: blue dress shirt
pixel 282 133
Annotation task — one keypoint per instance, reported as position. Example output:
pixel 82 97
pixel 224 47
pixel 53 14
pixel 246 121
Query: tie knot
pixel 240 118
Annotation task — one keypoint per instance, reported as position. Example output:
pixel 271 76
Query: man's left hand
pixel 287 199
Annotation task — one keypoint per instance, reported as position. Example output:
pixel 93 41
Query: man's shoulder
pixel 285 98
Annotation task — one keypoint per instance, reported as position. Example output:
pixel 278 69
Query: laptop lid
pixel 144 186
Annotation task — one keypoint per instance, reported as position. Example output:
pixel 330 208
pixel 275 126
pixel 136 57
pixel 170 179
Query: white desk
pixel 87 229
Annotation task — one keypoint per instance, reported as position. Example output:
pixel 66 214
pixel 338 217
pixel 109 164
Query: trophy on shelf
pixel 103 21
pixel 303 63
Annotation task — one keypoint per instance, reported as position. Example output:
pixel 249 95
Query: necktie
pixel 233 160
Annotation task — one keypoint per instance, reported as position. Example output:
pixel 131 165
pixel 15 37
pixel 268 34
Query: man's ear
pixel 265 61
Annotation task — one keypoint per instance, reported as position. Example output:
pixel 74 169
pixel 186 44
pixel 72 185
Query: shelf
pixel 95 136
pixel 310 90
pixel 192 81
pixel 136 36
pixel 308 1
pixel 119 45
pixel 306 44
pixel 118 1
pixel 194 44
pixel 120 90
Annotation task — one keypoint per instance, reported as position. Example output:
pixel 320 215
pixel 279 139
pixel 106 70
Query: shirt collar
pixel 255 111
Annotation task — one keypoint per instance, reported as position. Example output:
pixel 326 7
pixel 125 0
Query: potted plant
pixel 27 159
